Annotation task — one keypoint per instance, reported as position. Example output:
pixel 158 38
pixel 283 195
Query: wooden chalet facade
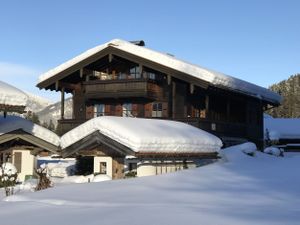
pixel 115 81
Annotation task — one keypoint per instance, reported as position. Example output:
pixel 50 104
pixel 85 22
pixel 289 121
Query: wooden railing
pixel 66 125
pixel 121 88
pixel 216 127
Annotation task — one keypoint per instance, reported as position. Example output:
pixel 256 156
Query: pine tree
pixel 290 91
pixel 33 117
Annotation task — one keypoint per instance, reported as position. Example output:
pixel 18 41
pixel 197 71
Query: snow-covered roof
pixel 12 123
pixel 214 78
pixel 10 95
pixel 146 135
pixel 282 128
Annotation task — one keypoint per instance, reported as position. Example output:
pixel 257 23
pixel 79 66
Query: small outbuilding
pixel 21 141
pixel 146 146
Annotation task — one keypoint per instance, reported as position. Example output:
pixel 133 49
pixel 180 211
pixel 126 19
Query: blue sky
pixel 253 40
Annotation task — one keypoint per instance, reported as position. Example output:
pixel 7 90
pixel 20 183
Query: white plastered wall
pixel 27 163
pixel 106 159
pixel 150 168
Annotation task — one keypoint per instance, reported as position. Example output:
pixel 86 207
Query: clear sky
pixel 254 40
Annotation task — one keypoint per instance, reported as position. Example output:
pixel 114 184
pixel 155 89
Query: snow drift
pixel 243 190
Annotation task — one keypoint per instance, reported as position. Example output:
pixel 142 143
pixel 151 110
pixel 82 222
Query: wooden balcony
pixel 65 125
pixel 121 88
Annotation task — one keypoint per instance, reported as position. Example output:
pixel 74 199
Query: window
pixel 99 110
pixel 103 168
pixel 132 166
pixel 127 110
pixel 134 72
pixel 157 109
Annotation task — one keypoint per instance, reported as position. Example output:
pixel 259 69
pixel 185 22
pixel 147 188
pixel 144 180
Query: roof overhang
pixel 161 62
pixel 12 108
pixel 93 140
pixel 20 134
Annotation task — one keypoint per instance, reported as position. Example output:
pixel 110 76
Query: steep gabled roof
pixel 145 135
pixel 212 77
pixel 15 123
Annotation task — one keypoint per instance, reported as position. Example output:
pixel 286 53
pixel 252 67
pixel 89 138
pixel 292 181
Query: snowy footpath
pixel 239 189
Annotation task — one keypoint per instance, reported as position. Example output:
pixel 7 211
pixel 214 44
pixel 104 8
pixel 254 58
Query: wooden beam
pixel 22 135
pixel 192 88
pixel 206 106
pixel 62 103
pixel 56 85
pixel 81 72
pixel 174 155
pixel 140 70
pixel 68 86
pixel 93 140
pixel 169 79
pixel 110 57
pixel 173 99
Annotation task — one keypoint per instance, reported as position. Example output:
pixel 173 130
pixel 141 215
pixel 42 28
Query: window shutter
pixel 165 109
pixel 107 110
pixel 148 110
pixel 89 112
pixel 18 161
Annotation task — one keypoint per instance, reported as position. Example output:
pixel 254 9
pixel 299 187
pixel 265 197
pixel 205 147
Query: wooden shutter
pixel 134 109
pixel 119 110
pixel 18 161
pixel 165 109
pixel 107 111
pixel 148 110
pixel 89 112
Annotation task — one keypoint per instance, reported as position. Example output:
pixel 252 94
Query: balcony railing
pixel 121 88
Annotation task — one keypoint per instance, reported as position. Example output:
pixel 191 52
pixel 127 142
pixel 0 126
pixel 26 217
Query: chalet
pixel 21 141
pixel 125 79
pixel 11 99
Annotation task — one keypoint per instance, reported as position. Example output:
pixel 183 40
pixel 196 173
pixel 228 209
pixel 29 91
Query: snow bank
pixel 61 169
pixel 12 123
pixel 233 153
pixel 146 135
pixel 282 128
pixel 213 77
pixel 10 95
pixel 245 190
pixel 273 151
pixel 85 179
pixel 101 177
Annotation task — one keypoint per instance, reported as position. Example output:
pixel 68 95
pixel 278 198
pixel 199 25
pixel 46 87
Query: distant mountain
pixel 36 103
pixel 52 112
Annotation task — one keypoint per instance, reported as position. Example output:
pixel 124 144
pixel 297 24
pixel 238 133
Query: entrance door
pixel 103 165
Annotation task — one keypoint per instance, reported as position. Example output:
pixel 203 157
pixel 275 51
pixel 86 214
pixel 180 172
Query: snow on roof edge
pixel 145 135
pixel 12 123
pixel 10 95
pixel 215 78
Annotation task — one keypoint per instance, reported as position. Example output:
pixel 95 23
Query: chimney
pixel 139 43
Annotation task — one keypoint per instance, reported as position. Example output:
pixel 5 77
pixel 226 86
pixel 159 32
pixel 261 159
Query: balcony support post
pixel 62 101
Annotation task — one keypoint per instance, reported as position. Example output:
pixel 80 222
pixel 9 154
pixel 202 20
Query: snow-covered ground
pixel 239 189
